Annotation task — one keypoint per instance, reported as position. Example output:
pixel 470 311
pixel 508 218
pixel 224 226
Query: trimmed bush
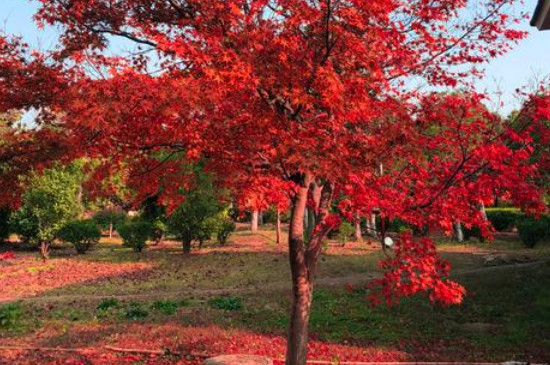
pixel 503 219
pixel 532 230
pixel 82 234
pixel 135 234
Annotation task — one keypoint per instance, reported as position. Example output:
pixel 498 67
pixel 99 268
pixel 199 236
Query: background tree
pixel 109 218
pixel 196 219
pixel 155 213
pixel 49 202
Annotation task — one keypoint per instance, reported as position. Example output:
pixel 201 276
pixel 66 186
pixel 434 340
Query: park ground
pixel 176 309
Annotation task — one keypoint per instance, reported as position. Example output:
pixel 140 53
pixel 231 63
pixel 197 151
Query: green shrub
pixel 158 230
pixel 226 303
pixel 135 234
pixel 135 311
pixel 10 316
pixel 167 307
pixel 503 219
pixel 82 234
pixel 107 304
pixel 345 231
pixel 225 228
pixel 532 230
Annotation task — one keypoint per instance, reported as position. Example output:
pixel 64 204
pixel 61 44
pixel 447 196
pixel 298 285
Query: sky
pixel 528 62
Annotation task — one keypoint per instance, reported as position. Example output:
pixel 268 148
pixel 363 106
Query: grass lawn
pixel 235 299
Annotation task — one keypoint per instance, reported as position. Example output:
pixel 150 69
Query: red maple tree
pixel 312 97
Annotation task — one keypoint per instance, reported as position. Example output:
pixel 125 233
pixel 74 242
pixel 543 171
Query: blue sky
pixel 528 61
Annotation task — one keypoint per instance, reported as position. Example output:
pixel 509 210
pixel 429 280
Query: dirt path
pixel 355 279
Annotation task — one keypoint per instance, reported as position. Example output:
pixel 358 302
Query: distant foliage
pixel 135 234
pixel 82 234
pixel 532 230
pixel 108 217
pixel 270 216
pixel 503 219
pixel 344 232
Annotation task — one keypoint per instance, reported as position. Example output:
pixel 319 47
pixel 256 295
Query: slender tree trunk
pixel 44 250
pixel 186 246
pixel 459 232
pixel 110 229
pixel 254 221
pixel 483 211
pixel 371 225
pixel 302 287
pixel 279 233
pixel 358 234
pixel 484 217
pixel 303 263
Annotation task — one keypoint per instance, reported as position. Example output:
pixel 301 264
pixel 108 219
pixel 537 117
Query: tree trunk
pixel 44 250
pixel 279 233
pixel 302 287
pixel 483 211
pixel 303 263
pixel 186 246
pixel 371 225
pixel 110 229
pixel 254 221
pixel 358 234
pixel 459 232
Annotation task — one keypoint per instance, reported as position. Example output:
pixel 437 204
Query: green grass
pixel 226 303
pixel 505 316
